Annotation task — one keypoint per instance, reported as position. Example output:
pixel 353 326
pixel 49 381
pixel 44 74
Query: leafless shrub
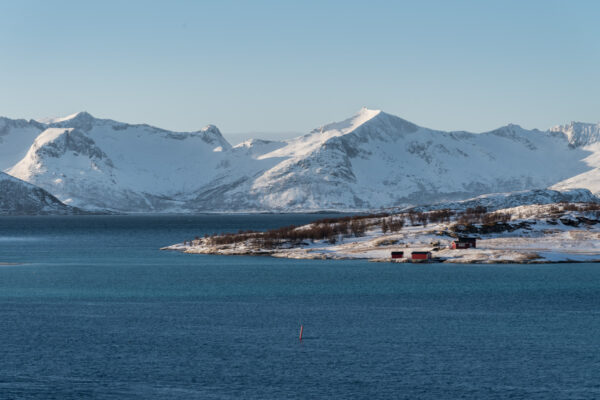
pixel 423 218
pixel 358 227
pixel 495 217
pixel 478 210
pixel 442 215
pixel 384 226
pixel 396 224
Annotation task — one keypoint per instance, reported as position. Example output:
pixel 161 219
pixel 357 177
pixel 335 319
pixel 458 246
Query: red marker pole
pixel 301 329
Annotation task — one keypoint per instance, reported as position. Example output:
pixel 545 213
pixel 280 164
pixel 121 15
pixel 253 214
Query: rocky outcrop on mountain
pixel 579 133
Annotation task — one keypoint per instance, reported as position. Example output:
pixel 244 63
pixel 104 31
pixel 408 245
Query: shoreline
pixel 335 257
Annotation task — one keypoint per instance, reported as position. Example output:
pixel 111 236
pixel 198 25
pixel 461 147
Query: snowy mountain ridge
pixel 370 160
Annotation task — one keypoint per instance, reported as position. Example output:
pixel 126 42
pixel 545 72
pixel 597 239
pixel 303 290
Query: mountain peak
pixel 508 128
pixel 367 112
pixel 211 128
pixel 212 134
pixel 81 120
pixel 348 125
pixel 78 116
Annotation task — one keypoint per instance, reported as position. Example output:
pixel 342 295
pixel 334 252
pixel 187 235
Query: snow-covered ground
pixel 534 234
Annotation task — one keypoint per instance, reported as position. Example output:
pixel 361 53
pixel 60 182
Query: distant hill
pixel 21 198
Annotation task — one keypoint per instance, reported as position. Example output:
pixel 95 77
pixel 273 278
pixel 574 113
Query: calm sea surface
pixel 96 311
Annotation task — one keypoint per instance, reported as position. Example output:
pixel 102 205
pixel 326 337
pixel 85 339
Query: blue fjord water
pixel 96 311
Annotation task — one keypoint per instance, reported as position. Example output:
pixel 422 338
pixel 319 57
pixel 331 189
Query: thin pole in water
pixel 301 329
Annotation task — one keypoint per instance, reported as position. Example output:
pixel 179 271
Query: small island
pixel 532 233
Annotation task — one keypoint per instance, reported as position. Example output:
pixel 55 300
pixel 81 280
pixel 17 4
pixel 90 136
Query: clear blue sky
pixel 277 66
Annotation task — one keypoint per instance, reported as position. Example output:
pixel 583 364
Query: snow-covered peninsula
pixel 529 233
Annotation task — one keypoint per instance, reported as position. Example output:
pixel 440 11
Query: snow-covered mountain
pixel 368 161
pixel 21 198
pixel 104 164
pixel 375 159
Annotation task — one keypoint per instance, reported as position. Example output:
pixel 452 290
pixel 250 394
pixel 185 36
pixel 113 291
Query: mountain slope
pixel 21 198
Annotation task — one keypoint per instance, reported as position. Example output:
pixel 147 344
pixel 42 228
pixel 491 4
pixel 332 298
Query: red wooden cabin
pixel 421 255
pixel 464 243
pixel 397 254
